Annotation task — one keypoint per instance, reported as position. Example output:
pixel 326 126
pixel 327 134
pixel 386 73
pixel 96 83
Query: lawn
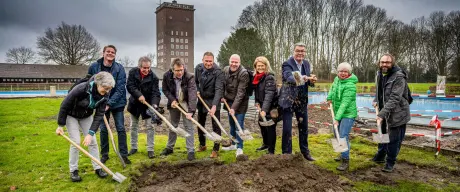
pixel 34 158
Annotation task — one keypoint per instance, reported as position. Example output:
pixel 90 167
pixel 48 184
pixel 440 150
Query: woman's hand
pixel 87 140
pixel 60 131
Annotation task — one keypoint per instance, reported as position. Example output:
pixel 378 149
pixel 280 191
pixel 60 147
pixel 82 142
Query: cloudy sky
pixel 130 24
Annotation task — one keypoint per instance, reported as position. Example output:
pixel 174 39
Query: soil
pixel 268 173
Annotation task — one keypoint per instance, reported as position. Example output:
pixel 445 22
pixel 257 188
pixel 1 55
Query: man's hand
pixel 212 111
pixel 189 115
pixel 222 100
pixel 336 123
pixel 374 104
pixel 231 111
pixel 60 131
pixel 174 104
pixel 107 107
pixel 142 99
pixel 262 113
pixel 313 78
pixel 88 139
pixel 379 119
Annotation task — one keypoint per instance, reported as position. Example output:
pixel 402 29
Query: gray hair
pixel 345 66
pixel 178 62
pixel 104 79
pixel 236 56
pixel 299 44
pixel 144 59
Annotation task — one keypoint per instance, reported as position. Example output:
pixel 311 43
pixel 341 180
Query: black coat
pixel 77 104
pixel 188 87
pixel 147 87
pixel 265 93
pixel 210 84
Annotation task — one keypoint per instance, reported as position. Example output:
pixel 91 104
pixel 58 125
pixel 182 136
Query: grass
pixel 33 158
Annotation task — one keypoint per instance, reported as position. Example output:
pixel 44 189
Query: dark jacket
pixel 117 97
pixel 265 93
pixel 147 87
pixel 289 92
pixel 210 84
pixel 81 102
pixel 392 97
pixel 188 87
pixel 235 85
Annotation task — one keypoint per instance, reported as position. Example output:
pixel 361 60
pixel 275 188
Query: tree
pixel 68 45
pixel 152 57
pixel 21 55
pixel 245 42
pixel 125 61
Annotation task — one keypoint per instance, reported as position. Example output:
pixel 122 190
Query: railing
pixel 33 86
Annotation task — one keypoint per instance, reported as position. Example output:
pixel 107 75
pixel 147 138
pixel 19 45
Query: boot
pixel 344 166
pixel 201 148
pixel 166 152
pixel 104 158
pixel 126 160
pixel 74 176
pixel 339 158
pixel 100 173
pixel 151 154
pixel 132 152
pixel 214 154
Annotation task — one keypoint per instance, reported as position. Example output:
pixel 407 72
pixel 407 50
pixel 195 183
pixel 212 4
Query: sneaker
pixel 74 176
pixel 150 154
pixel 239 151
pixel 261 148
pixel 132 152
pixel 166 152
pixel 231 148
pixel 126 160
pixel 201 148
pixel 104 158
pixel 214 154
pixel 100 173
pixel 388 168
pixel 191 156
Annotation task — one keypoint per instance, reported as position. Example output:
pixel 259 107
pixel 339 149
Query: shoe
pixel 126 160
pixel 132 152
pixel 191 156
pixel 74 176
pixel 261 148
pixel 344 166
pixel 166 152
pixel 308 157
pixel 201 148
pixel 104 158
pixel 151 154
pixel 214 154
pixel 239 151
pixel 378 161
pixel 101 173
pixel 339 158
pixel 388 168
pixel 231 148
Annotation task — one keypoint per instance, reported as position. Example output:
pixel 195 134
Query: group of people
pixel 203 92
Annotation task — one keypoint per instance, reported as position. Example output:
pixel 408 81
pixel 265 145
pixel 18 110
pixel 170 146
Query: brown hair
pixel 110 46
pixel 208 53
pixel 177 62
pixel 389 55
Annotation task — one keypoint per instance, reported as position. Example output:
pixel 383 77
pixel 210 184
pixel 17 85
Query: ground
pixel 35 159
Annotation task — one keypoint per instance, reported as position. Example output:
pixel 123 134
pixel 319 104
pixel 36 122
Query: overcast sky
pixel 130 24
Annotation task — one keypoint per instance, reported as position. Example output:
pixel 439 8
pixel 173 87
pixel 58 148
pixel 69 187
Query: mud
pixel 268 173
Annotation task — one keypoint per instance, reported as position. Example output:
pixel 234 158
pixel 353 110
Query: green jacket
pixel 343 97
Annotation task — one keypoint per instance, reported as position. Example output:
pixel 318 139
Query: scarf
pixel 257 78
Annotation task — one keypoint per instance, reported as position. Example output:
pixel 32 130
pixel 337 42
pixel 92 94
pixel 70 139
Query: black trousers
pixel 268 135
pixel 202 120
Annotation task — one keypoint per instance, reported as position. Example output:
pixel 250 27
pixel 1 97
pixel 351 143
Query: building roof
pixel 8 70
pixel 174 5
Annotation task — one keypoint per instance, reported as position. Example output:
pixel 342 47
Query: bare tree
pixel 152 56
pixel 20 55
pixel 68 45
pixel 125 61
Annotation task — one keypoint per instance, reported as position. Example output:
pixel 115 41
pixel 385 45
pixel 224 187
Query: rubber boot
pixel 344 166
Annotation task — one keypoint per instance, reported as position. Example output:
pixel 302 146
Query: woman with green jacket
pixel 343 98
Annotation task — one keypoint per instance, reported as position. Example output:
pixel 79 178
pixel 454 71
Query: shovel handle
pixel 161 116
pixel 263 117
pixel 333 119
pixel 379 123
pixel 193 120
pixel 89 155
pixel 233 117
pixel 113 141
pixel 213 116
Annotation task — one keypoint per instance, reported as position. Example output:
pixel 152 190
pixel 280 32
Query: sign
pixel 441 85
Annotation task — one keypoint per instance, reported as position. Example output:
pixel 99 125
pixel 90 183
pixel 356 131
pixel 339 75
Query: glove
pixel 155 119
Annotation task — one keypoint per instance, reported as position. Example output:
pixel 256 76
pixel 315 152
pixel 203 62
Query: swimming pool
pixel 421 105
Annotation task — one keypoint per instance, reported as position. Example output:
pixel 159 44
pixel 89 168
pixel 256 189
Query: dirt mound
pixel 268 173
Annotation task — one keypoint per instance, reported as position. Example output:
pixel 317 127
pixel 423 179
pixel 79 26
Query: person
pixel 236 80
pixel 76 112
pixel 115 104
pixel 392 100
pixel 209 81
pixel 343 98
pixel 294 99
pixel 180 89
pixel 266 98
pixel 143 86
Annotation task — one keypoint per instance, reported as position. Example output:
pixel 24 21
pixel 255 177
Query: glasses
pixel 300 51
pixel 179 70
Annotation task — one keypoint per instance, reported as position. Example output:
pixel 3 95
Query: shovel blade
pixel 245 135
pixel 216 136
pixel 380 138
pixel 339 145
pixel 266 123
pixel 210 137
pixel 181 132
pixel 118 177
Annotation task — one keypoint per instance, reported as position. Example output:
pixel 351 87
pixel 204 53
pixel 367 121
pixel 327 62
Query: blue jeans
pixel 233 128
pixel 345 126
pixel 286 141
pixel 120 126
pixel 391 150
